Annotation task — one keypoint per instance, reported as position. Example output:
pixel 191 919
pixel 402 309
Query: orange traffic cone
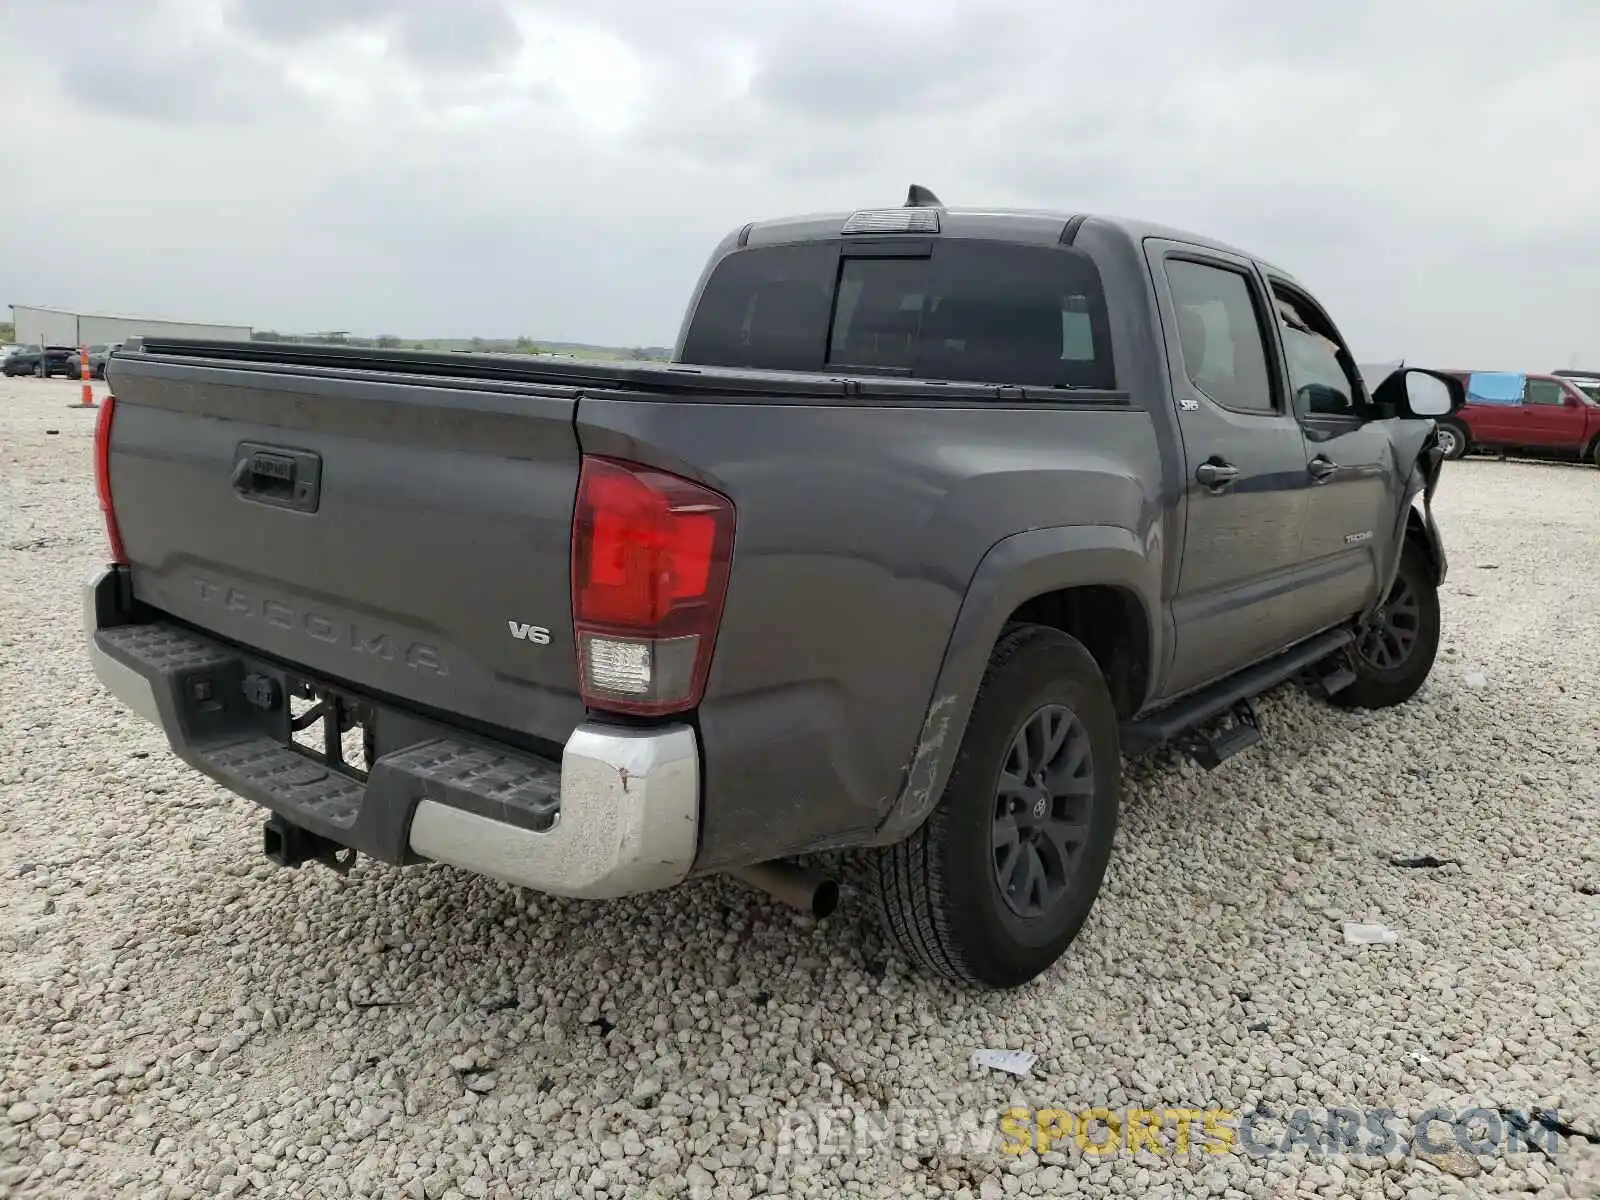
pixel 87 374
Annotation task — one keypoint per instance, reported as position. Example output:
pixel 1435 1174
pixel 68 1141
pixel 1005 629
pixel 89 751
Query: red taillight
pixel 102 476
pixel 650 555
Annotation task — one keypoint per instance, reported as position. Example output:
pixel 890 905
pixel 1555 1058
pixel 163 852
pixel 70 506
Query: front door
pixel 1354 483
pixel 1245 480
pixel 1550 417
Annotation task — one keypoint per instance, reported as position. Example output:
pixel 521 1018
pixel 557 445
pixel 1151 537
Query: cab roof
pixel 924 215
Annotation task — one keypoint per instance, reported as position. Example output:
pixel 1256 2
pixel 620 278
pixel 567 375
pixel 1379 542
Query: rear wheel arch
pixel 1093 579
pixel 1111 623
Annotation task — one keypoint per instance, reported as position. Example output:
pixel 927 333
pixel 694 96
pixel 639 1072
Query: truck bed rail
pixel 658 378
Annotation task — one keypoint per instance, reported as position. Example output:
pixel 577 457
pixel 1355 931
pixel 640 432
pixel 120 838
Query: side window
pixel 1318 376
pixel 1220 332
pixel 1077 331
pixel 1495 387
pixel 1544 391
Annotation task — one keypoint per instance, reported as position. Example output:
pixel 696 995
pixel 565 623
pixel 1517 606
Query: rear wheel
pixel 1395 651
pixel 1453 438
pixel 39 372
pixel 997 883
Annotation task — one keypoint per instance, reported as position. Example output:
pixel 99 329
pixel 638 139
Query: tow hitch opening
pixel 288 845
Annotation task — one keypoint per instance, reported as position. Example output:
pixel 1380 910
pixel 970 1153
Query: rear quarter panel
pixel 859 530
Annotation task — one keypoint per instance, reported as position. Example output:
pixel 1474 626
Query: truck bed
pixel 446 486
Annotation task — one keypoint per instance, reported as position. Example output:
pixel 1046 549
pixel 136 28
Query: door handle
pixel 1321 469
pixel 274 475
pixel 1216 474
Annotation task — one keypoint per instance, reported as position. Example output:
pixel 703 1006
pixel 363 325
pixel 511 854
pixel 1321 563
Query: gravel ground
pixel 183 1019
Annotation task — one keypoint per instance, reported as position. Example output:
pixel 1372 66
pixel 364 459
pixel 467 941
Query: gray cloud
pixel 167 84
pixel 435 33
pixel 559 168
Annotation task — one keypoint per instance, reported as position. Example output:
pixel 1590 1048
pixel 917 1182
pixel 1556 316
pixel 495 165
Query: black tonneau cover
pixel 649 377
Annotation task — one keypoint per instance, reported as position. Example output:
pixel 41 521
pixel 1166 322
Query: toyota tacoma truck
pixel 935 514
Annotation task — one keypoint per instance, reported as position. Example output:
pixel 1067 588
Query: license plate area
pixel 330 727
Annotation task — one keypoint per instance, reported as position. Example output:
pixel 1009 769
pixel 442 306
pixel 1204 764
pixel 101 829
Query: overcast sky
pixel 561 169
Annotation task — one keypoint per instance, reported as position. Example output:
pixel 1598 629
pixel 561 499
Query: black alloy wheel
pixel 1392 635
pixel 1041 819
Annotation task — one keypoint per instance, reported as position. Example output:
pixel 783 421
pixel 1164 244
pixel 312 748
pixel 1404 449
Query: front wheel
pixel 1396 649
pixel 1453 439
pixel 996 884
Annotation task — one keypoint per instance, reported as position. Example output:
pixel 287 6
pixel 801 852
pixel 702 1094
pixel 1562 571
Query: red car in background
pixel 1523 411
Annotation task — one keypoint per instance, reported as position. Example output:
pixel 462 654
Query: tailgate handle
pixel 281 477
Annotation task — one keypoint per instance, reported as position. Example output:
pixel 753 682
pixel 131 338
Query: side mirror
pixel 1420 395
pixel 1428 395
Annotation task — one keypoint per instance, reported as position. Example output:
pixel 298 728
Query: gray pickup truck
pixel 935 515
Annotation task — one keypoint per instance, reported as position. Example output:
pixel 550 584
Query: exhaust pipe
pixel 809 891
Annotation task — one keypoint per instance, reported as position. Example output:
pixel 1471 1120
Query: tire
pixel 939 892
pixel 1454 439
pixel 1394 655
pixel 1594 452
pixel 39 371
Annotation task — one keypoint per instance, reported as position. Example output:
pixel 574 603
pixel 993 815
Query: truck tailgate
pixel 404 534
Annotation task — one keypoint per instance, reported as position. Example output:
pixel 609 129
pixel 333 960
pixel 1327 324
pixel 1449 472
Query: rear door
pixel 1494 403
pixel 1245 481
pixel 407 536
pixel 1349 465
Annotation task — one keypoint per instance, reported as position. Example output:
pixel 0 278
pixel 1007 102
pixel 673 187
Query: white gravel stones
pixel 181 1019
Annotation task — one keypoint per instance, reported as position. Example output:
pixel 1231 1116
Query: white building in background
pixel 58 327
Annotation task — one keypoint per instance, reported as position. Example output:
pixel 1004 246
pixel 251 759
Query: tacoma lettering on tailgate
pixel 349 634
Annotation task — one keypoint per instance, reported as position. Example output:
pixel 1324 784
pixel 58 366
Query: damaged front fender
pixel 1414 521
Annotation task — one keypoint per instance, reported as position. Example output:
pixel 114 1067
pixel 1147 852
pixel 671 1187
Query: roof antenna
pixel 920 197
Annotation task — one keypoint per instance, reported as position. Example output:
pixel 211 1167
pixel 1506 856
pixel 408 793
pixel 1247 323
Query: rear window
pixel 987 312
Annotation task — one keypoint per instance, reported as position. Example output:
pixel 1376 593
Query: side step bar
pixel 1326 680
pixel 1169 724
pixel 1213 744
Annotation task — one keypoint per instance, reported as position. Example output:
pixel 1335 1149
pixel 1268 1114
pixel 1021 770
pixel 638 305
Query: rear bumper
pixel 619 813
